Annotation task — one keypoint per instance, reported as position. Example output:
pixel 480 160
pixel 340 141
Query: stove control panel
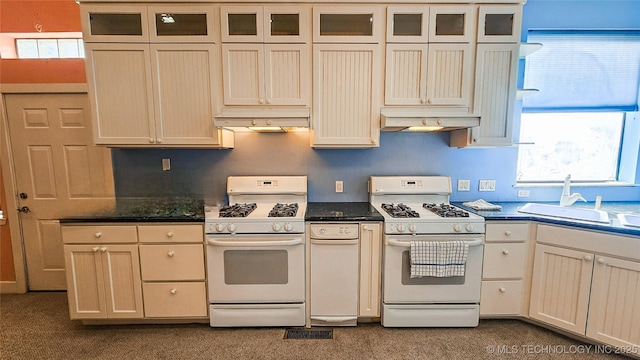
pixel 392 227
pixel 263 227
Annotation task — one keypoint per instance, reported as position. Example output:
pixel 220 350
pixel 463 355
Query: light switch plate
pixel 487 185
pixel 523 193
pixel 464 185
pixel 339 186
pixel 166 164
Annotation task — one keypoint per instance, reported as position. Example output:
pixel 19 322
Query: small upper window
pixel 49 48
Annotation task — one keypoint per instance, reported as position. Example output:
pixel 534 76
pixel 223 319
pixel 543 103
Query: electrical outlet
pixel 166 164
pixel 339 186
pixel 487 185
pixel 464 185
pixel 523 193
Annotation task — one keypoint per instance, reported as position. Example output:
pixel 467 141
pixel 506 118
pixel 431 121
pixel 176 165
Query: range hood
pixel 421 119
pixel 263 119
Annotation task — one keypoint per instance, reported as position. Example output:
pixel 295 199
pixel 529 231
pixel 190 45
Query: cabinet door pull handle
pixel 601 261
pixel 365 227
pixel 505 252
pixel 507 233
pixel 502 290
pixel 170 234
pixel 170 253
pixel 98 234
pixel 95 249
pixel 173 291
pixel 588 257
pixel 103 249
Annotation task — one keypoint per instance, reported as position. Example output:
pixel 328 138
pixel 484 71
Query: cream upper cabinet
pixel 452 23
pixel 450 75
pixel 114 23
pixel 346 109
pixel 160 91
pixel 406 74
pixel 347 24
pixel 499 23
pixel 265 57
pixel 495 96
pixel 408 24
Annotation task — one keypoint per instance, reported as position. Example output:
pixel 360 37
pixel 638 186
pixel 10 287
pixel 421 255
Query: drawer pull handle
pixel 588 257
pixel 502 290
pixel 170 253
pixel 507 233
pixel 173 291
pixel 505 252
pixel 601 261
pixel 98 234
pixel 103 249
pixel 170 234
pixel 95 249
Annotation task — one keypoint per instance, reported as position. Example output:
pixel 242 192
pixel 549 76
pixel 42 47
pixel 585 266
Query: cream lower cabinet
pixel 347 91
pixel 370 272
pixel 154 95
pixel 585 291
pixel 503 273
pixel 103 275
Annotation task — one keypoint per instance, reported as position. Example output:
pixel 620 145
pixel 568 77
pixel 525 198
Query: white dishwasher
pixel 334 274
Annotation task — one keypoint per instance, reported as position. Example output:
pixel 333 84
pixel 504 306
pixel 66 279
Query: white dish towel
pixel 438 258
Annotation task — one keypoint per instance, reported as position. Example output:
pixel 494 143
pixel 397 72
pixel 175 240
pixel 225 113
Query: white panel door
pixel 614 306
pixel 243 74
pixel 450 77
pixel 406 74
pixel 287 75
pixel 59 171
pixel 183 93
pixel 120 88
pixel 560 287
pixel 346 95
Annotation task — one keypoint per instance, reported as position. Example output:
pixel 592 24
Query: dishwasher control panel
pixel 334 231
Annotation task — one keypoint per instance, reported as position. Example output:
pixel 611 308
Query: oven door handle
pixel 234 243
pixel 408 243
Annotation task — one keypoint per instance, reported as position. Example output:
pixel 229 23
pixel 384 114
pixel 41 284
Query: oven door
pixel 399 287
pixel 256 268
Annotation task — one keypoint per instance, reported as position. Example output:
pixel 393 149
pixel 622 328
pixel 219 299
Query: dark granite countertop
pixel 510 212
pixel 146 210
pixel 341 211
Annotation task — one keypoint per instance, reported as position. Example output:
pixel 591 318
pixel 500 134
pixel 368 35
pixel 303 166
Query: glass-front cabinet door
pixel 284 24
pixel 114 23
pixel 407 24
pixel 241 23
pixel 347 24
pixel 181 23
pixel 499 23
pixel 452 23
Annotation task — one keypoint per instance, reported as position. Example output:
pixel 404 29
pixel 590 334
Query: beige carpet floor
pixel 36 325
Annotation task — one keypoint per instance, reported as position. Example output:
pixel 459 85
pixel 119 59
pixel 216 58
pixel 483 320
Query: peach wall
pixel 7 271
pixel 22 16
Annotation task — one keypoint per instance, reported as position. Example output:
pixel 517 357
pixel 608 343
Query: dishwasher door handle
pixel 408 243
pixel 334 242
pixel 334 319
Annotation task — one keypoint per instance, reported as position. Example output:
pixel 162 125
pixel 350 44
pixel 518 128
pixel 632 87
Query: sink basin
pixel 566 212
pixel 629 220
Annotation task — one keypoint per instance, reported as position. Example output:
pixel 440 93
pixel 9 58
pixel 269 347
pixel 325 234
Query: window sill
pixel 574 184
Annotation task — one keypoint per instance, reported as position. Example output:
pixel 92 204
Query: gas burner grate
pixel 237 210
pixel 284 210
pixel 400 211
pixel 308 334
pixel 445 210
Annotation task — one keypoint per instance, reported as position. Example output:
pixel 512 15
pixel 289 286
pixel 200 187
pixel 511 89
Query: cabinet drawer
pixel 98 234
pixel 172 262
pixel 175 299
pixel 503 261
pixel 507 232
pixel 501 297
pixel 171 233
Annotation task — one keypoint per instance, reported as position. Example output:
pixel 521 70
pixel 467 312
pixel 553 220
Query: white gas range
pixel 416 209
pixel 256 252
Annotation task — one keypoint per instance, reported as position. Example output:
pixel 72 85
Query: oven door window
pixel 426 280
pixel 252 267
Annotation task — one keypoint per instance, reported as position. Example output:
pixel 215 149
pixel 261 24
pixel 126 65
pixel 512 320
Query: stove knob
pixel 457 228
pixel 276 227
pixel 412 228
pixel 232 227
pixel 288 227
pixel 219 227
pixel 469 227
pixel 400 228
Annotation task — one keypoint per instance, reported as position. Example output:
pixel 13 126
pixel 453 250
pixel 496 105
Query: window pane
pixel 27 48
pixel 68 48
pixel 585 145
pixel 47 48
pixel 80 48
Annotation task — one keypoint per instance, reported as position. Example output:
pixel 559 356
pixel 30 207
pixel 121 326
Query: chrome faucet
pixel 567 198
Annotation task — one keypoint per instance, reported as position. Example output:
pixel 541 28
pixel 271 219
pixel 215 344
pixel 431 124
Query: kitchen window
pixel 584 119
pixel 49 48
